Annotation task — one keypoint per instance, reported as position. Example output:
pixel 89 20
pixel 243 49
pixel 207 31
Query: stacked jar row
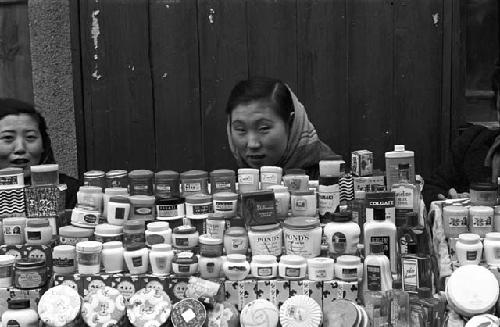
pixel 458 219
pixel 470 249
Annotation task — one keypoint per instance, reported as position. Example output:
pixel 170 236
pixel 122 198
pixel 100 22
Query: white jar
pixel 6 270
pixel 320 269
pixel 481 220
pixel 19 314
pixel 117 210
pixel 349 268
pixel 137 259
pixel 160 257
pixel 248 179
pixel 158 232
pixel 236 267
pixel 469 249
pixel 107 233
pixel 225 203
pixel 302 236
pixel 266 239
pixel 282 200
pixel 63 259
pixel 185 237
pixel 88 257
pixel 492 249
pixel 270 175
pixel 264 266
pixel 455 220
pixel 210 267
pixel 216 225
pixel 292 267
pixel 303 203
pixel 112 257
pixel 342 235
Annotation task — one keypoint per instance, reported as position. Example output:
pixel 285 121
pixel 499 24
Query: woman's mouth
pixel 19 162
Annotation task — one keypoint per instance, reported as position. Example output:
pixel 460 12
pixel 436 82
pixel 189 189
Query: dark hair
pixel 495 84
pixel 17 107
pixel 265 89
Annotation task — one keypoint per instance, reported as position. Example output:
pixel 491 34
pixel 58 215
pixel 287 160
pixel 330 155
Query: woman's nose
pixel 253 141
pixel 19 146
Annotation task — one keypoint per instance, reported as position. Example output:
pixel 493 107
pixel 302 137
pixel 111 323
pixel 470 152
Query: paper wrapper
pixel 59 306
pixel 104 307
pixel 259 313
pixel 149 308
pixel 188 313
pixel 300 311
pixel 223 315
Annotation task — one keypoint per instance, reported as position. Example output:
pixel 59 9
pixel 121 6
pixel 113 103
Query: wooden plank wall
pixel 157 74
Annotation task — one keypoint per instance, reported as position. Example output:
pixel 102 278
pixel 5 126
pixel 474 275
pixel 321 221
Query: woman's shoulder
pixel 68 180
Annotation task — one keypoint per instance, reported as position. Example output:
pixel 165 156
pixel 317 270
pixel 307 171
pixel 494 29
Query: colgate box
pixel 338 289
pixel 239 293
pixel 381 200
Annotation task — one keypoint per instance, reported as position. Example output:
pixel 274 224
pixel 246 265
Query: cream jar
pixel 71 235
pixel 90 197
pixel 248 180
pixel 481 220
pixel 266 239
pixel 88 257
pixel 483 194
pixel 296 182
pixel 167 184
pixel 107 233
pixel 292 267
pixel 270 175
pixel 13 230
pixel 236 267
pixel 63 259
pixel 210 246
pixel 109 193
pixel 303 203
pixel 94 178
pixel 30 273
pixel 117 178
pixel 320 269
pixel 210 267
pixel 469 249
pixel 112 257
pixel 142 207
pixel 160 257
pixel 455 220
pixel 236 240
pixel 282 200
pixel 185 264
pixel 222 180
pixel 216 225
pixel 198 207
pixel 136 259
pixel 184 237
pixel 117 210
pixel 264 266
pixel 302 236
pixel 492 249
pixel 348 268
pixel 6 270
pixel 170 209
pixel 158 232
pixel 194 181
pixel 141 182
pixel 38 231
pixel 225 203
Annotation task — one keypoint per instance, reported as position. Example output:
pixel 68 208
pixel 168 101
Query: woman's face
pixel 20 142
pixel 258 133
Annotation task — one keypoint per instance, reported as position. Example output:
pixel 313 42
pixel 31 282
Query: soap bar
pixel 301 311
pixel 260 313
pixel 258 208
pixel 104 307
pixel 149 308
pixel 59 306
pixel 188 313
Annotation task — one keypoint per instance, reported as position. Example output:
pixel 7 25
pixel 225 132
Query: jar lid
pixel 135 247
pixel 248 171
pixel 474 210
pixel 278 188
pixel 320 262
pixel 349 260
pixel 216 216
pixel 469 237
pixel 455 209
pixel 106 229
pixel 133 225
pixel 119 199
pixel 7 259
pixel 162 247
pixel 236 231
pixel 89 246
pixel 142 199
pixel 10 171
pixel 292 259
pixel 14 221
pixel 295 171
pixel 64 249
pixel 170 201
pixel 493 236
pixel 264 228
pixel 90 189
pixel 167 174
pixel 191 174
pixel 116 191
pixel 481 186
pixel 92 173
pixel 29 263
pixel 236 258
pixel 73 231
pixel 302 193
pixel 158 226
pixel 185 229
pixel 18 304
pixel 264 258
pixel 222 173
pixel 209 240
pixel 38 222
pixel 140 173
pixel 271 169
pixel 45 168
pixel 301 223
pixel 225 196
pixel 112 245
pixel 198 198
pixel 185 258
pixel 116 173
pixel 342 217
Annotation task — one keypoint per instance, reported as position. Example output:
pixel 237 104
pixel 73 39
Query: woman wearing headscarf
pixel 268 126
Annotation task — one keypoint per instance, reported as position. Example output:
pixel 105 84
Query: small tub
pixel 225 203
pixel 71 235
pixel 320 269
pixel 30 274
pixel 117 178
pixel 222 180
pixel 198 208
pixel 142 207
pixel 248 180
pixel 45 174
pixel 167 184
pixel 194 181
pixel 292 267
pixel 185 237
pixel 88 257
pixel 107 233
pixel 6 270
pixel 270 175
pixel 141 182
pixel 209 246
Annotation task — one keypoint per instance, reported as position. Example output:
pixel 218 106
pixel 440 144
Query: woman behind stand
pixel 25 142
pixel 268 126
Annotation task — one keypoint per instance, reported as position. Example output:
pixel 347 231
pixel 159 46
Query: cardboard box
pixel 231 291
pixel 177 288
pixel 44 201
pixel 313 289
pixel 91 282
pixel 369 183
pixel 338 289
pixel 155 282
pixel 239 293
pixel 12 202
pixel 282 291
pixel 268 290
pixel 362 162
pixel 72 280
pixel 126 284
pixel 8 294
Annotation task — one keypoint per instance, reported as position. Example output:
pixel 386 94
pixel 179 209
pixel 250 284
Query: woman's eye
pixel 7 138
pixel 264 128
pixel 32 137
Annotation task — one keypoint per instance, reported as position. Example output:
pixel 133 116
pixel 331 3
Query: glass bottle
pixel 399 306
pixel 407 194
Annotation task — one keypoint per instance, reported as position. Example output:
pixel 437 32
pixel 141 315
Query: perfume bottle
pixel 407 194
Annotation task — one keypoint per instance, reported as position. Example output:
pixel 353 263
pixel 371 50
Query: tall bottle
pixel 346 185
pixel 416 266
pixel 399 306
pixel 407 194
pixel 329 189
pixel 377 269
pixel 392 160
pixel 381 230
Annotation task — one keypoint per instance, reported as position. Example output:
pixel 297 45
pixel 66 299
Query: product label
pixel 300 243
pixel 181 241
pixel 339 241
pixel 71 240
pixel 139 187
pixel 395 308
pixel 374 278
pixel 154 239
pixel 481 221
pixel 296 314
pixel 223 186
pixel 404 197
pixel 167 210
pixel 90 218
pixel 270 178
pixel 34 235
pixel 384 240
pixel 119 213
pixel 184 268
pixel 268 244
pixel 63 262
pixel 29 279
pixel 224 205
pixel 246 179
pixel 320 273
pixel 161 263
pixel 192 187
pixel 496 252
pixel 237 268
pixel 12 230
pixel 349 272
pixel 264 271
pixel 163 188
pixel 215 229
pixel 143 211
pixel 210 267
pixel 87 259
pixel 457 221
pixel 471 255
pixel 300 204
pixel 410 274
pixel 130 239
pixel 202 209
pixel 137 261
pixel 292 272
pixel 329 200
pixel 238 243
